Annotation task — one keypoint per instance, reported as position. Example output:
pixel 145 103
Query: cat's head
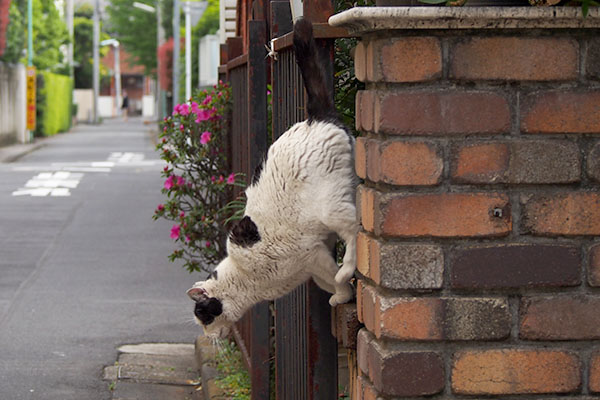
pixel 209 312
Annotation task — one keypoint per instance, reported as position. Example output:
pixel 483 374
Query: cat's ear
pixel 244 233
pixel 197 294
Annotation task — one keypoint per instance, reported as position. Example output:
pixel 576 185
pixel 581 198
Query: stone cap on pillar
pixel 361 20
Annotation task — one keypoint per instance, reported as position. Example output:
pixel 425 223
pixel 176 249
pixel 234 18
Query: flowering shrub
pixel 198 183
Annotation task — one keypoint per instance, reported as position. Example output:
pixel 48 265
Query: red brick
pixel 360 61
pixel 595 373
pixel 531 265
pixel 365 110
pixel 442 113
pixel 515 58
pixel 370 307
pixel 366 391
pixel 480 163
pixel 515 371
pixel 561 112
pixel 407 266
pixel 363 344
pixel 405 373
pixel 593 163
pixel 407 59
pixel 560 318
pixel 594 266
pixel 434 319
pixel 369 200
pixel 360 157
pixel 405 163
pixel 359 299
pixel 373 161
pixel 517 162
pixel 444 215
pixel 592 67
pixel 362 254
pixel 346 325
pixel 573 213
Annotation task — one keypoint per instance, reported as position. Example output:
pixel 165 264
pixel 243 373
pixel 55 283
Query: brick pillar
pixel 479 255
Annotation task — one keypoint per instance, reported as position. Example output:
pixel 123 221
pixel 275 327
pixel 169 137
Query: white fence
pixel 13 123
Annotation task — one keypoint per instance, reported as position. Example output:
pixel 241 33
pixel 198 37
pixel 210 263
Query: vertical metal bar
pixel 256 148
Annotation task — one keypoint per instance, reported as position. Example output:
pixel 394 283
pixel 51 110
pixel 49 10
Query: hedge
pixel 54 99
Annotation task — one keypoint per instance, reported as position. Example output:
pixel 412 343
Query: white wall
pixel 227 19
pixel 208 60
pixel 13 104
pixel 85 100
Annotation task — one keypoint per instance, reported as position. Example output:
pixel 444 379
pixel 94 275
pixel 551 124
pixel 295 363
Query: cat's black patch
pixel 214 275
pixel 244 233
pixel 207 310
pixel 258 170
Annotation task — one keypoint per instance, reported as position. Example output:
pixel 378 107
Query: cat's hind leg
pixel 324 271
pixel 342 220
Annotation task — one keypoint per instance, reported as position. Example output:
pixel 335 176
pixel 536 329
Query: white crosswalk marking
pixel 56 184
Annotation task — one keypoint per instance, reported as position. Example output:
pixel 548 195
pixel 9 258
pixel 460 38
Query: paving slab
pixel 139 391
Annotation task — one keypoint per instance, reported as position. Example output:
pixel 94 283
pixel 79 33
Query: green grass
pixel 232 376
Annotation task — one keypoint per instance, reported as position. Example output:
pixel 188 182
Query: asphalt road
pixel 83 267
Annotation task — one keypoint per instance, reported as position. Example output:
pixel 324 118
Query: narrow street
pixel 83 267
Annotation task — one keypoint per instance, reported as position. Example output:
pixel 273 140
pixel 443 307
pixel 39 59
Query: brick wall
pixel 479 255
pixel 4 20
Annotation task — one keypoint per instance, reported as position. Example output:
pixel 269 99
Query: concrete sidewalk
pixel 13 152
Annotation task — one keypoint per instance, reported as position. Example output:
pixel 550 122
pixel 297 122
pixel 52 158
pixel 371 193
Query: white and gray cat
pixel 304 193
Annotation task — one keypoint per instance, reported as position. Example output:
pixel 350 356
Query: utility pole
pixel 96 70
pixel 69 16
pixel 29 33
pixel 159 40
pixel 188 50
pixel 175 52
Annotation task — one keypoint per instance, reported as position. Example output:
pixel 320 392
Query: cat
pixel 301 195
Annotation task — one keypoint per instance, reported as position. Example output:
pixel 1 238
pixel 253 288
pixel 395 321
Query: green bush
pixel 54 99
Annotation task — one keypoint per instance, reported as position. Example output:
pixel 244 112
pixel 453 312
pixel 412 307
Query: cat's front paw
pixel 340 298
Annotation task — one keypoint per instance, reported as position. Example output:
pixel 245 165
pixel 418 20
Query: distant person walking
pixel 125 106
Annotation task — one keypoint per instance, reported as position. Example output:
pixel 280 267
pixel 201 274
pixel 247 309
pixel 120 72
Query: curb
pixel 205 359
pixel 12 153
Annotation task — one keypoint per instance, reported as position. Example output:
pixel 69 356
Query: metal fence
pixel 292 335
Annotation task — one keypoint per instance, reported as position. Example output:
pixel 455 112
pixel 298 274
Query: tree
pixel 15 39
pixel 136 30
pixel 49 34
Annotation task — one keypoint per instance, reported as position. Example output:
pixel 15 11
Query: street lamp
pixel 115 43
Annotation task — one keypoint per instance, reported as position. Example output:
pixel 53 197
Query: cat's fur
pixel 304 193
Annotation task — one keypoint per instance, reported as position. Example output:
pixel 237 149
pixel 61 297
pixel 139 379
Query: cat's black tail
pixel 320 103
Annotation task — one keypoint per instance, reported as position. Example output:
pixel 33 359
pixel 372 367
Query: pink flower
pixel 207 244
pixel 207 100
pixel 221 179
pixel 160 208
pixel 175 231
pixel 165 129
pixel 205 137
pixel 169 182
pixel 187 238
pixel 213 179
pixel 203 115
pixel 182 215
pixel 184 109
pixel 220 94
pixel 180 181
pixel 181 127
pixel 166 168
pixel 268 92
pixel 195 108
pixel 231 179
